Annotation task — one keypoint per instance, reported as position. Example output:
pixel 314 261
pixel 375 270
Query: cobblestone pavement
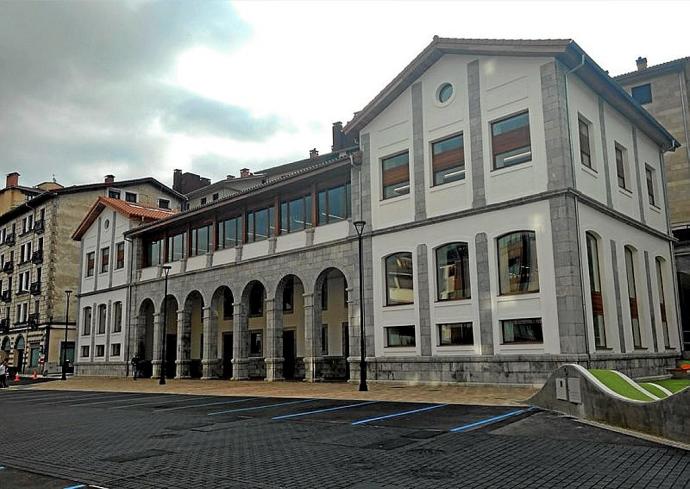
pixel 135 440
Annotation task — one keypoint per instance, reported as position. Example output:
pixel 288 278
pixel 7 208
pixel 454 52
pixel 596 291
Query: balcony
pixel 10 239
pixel 8 267
pixel 6 296
pixel 37 257
pixel 39 226
pixel 35 288
pixel 4 326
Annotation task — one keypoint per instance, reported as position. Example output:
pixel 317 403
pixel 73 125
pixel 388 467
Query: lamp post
pixel 64 343
pixel 166 270
pixel 359 227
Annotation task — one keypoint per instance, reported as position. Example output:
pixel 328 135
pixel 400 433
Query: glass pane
pixel 452 272
pixel 296 215
pixel 522 331
pixel 399 279
pixel 400 336
pixel 517 263
pixel 402 159
pixel 593 258
pixel 261 225
pixel 250 226
pixel 307 211
pixel 337 207
pixel 284 218
pixel 271 221
pixel 455 334
pixel 511 141
pixel 323 208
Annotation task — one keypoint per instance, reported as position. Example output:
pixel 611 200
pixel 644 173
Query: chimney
pixel 177 180
pixel 641 63
pixel 244 172
pixel 12 180
pixel 338 136
pixel 109 178
pixel 230 177
pixel 313 154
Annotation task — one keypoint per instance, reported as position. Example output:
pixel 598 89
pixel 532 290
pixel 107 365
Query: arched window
pixel 632 296
pixel 595 291
pixel 19 343
pixel 662 300
pixel 86 328
pixel 518 272
pixel 452 272
pixel 6 344
pixel 102 313
pixel 399 279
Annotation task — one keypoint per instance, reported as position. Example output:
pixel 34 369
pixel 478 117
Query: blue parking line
pixel 307 413
pixel 78 486
pixel 395 415
pixel 261 407
pixel 487 421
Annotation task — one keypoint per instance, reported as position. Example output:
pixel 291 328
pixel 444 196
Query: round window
pixel 445 92
pixel 106 224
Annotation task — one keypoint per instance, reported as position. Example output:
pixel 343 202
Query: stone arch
pixel 5 344
pixel 218 353
pixel 190 336
pixel 169 309
pixel 19 347
pixel 249 325
pixel 285 342
pixel 145 339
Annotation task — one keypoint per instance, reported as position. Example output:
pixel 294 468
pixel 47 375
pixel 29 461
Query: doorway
pixel 289 354
pixel 170 355
pixel 227 355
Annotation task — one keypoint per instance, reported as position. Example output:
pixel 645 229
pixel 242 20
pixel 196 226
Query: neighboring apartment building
pixel 14 194
pixel 39 262
pixel 509 230
pixel 105 275
pixel 663 91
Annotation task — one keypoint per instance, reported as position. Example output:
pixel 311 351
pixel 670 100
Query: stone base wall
pixel 110 369
pixel 332 368
pixel 257 368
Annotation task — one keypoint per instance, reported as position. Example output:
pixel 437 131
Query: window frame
pixel 498 264
pixel 396 184
pixel 468 285
pixel 326 192
pixel 102 326
pixel 650 178
pixel 105 259
pixel 387 336
pixel 583 121
pixel 461 173
pixel 648 99
pixel 523 342
pixel 464 324
pixel 596 290
pixel 386 259
pixel 622 166
pixel 86 325
pixel 494 166
pixel 129 195
pixel 631 273
pixel 221 234
pixel 195 249
pixel 90 263
pixel 117 317
pixel 119 255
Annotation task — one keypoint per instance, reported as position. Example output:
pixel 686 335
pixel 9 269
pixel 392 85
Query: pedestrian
pixel 3 374
pixel 135 366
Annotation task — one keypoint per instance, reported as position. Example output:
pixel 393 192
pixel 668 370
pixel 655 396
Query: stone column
pixel 274 341
pixel 312 322
pixel 353 330
pixel 240 343
pixel 210 361
pixel 184 345
pixel 157 338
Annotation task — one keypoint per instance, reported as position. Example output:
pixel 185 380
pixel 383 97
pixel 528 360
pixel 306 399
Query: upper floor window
pixel 105 259
pixel 117 317
pixel 153 252
pixel 203 201
pixel 295 215
pixel 215 196
pixel 164 203
pixel 399 279
pixel 102 309
pixel 130 197
pixel 595 291
pixel 230 232
pixel 176 246
pixel 518 272
pixel 621 165
pixel 585 150
pixel 201 240
pixel 114 194
pixel 334 204
pixel 120 255
pixel 510 140
pixel 448 160
pixel 651 184
pixel 90 263
pixel 27 224
pixel 395 175
pixel 642 93
pixel 632 296
pixel 260 224
pixel 452 272
pixel 445 92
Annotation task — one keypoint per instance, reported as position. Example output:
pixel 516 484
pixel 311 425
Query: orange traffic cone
pixel 16 377
pixel 34 376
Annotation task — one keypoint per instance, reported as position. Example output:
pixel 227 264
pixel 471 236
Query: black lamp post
pixel 359 227
pixel 166 270
pixel 64 343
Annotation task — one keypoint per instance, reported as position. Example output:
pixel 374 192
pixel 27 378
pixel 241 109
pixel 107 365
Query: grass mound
pixel 654 389
pixel 674 385
pixel 618 385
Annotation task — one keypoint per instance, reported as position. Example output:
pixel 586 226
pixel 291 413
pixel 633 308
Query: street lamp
pixel 359 227
pixel 166 270
pixel 64 343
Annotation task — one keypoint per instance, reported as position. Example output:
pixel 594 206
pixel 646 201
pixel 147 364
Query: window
pixel 295 215
pixel 445 92
pixel 399 279
pixel 100 350
pixel 651 184
pixel 201 240
pixel 662 301
pixel 642 93
pixel 163 204
pixel 452 272
pixel 120 255
pixel 585 151
pixel 595 291
pixel 154 252
pixel 400 336
pixel 27 224
pixel 448 160
pixel 105 259
pixel 256 346
pixel 632 297
pixel 86 323
pixel 101 318
pixel 522 331
pixel 260 224
pixel 22 313
pixel 324 339
pixel 176 246
pixel 256 301
pixel 85 351
pixel 453 334
pixel 620 165
pixel 510 141
pixel 289 295
pixel 230 232
pixel 24 280
pixel 114 194
pixel 117 317
pixel 203 201
pixel 334 204
pixel 518 272
pixel 25 252
pixel 115 350
pixel 130 197
pixel 215 196
pixel 395 175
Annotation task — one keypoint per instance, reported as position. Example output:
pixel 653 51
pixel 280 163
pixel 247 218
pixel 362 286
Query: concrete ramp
pixel 573 390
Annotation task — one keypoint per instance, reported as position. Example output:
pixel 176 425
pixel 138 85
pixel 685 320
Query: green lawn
pixel 674 385
pixel 654 390
pixel 614 382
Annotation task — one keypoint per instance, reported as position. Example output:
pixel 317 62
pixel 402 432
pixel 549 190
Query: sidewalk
pixel 487 395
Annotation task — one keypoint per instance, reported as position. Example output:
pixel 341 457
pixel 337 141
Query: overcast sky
pixel 138 88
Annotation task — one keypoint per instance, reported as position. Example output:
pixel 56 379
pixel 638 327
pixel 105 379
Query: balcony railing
pixel 8 267
pixel 10 239
pixel 35 288
pixel 6 296
pixel 37 257
pixel 39 226
pixel 4 326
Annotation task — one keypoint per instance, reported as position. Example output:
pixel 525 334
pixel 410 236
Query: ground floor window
pixel 100 350
pixel 85 351
pixel 115 350
pixel 451 334
pixel 256 345
pixel 400 336
pixel 522 331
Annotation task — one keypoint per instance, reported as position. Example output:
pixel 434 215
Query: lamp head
pixel 359 226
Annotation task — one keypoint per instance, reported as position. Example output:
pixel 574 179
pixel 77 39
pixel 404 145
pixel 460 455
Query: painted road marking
pixel 78 486
pixel 37 397
pixel 488 421
pixel 112 399
pixel 81 398
pixel 395 415
pixel 262 407
pixel 139 404
pixel 307 413
pixel 205 404
pixel 158 402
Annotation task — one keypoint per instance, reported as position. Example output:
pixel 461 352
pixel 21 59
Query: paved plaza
pixel 140 440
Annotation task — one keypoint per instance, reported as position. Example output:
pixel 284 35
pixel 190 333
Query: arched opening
pixel 332 326
pixel 19 347
pixel 254 300
pixel 223 310
pixel 289 340
pixel 5 348
pixel 631 272
pixel 596 289
pixel 169 308
pixel 145 346
pixel 191 340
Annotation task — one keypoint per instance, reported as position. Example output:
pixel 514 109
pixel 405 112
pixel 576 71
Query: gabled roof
pixel 565 50
pixel 131 210
pixel 668 67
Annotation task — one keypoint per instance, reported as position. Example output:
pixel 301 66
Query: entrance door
pixel 170 355
pixel 227 355
pixel 289 354
pixel 20 361
pixel 69 355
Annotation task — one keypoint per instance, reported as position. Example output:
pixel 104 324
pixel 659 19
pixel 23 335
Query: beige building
pixel 663 90
pixel 39 262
